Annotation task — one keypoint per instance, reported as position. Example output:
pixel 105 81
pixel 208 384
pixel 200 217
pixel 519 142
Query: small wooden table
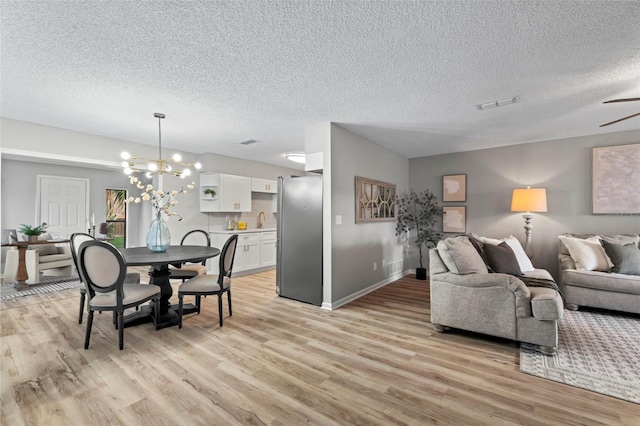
pixel 159 275
pixel 22 275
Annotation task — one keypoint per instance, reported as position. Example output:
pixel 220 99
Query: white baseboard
pixel 335 305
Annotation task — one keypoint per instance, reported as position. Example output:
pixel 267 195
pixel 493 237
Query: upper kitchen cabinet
pixel 264 185
pixel 233 193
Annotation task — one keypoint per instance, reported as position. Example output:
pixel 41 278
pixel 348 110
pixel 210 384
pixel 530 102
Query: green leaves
pixel 419 212
pixel 33 230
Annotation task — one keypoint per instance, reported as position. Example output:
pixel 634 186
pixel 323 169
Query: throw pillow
pixel 45 249
pixel 523 260
pixel 464 256
pixel 479 246
pixel 625 259
pixel 502 259
pixel 588 254
pixel 443 251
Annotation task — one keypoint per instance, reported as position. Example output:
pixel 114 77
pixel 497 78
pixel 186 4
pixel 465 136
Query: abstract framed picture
pixel 375 201
pixel 454 188
pixel 615 180
pixel 454 219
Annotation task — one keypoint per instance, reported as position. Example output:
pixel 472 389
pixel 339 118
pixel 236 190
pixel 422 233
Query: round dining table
pixel 159 275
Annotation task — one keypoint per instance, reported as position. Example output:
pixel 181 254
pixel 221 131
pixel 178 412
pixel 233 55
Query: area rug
pixel 8 291
pixel 597 351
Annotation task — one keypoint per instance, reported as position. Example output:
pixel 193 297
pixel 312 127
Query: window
pixel 115 229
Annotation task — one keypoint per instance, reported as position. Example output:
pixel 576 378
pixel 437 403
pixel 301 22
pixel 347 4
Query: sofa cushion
pixel 459 255
pixel 602 281
pixel 54 258
pixel 625 258
pixel 501 259
pixel 588 253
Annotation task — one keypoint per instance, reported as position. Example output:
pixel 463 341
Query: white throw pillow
pixel 523 259
pixel 588 254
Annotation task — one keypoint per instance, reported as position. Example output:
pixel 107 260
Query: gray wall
pixel 562 166
pixel 355 247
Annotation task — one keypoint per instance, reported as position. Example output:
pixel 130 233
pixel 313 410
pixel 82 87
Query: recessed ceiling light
pixel 499 103
pixel 248 142
pixel 296 157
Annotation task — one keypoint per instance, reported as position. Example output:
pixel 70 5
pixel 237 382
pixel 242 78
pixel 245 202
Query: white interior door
pixel 63 203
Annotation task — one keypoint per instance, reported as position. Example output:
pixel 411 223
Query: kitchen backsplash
pixel 259 203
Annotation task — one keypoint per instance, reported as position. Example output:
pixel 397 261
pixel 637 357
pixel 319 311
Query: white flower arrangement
pixel 162 201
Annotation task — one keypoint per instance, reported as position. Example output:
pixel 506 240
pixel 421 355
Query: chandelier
pixel 173 165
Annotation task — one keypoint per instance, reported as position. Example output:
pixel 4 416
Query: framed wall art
pixel 375 201
pixel 454 219
pixel 454 188
pixel 615 180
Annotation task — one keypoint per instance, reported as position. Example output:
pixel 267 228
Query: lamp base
pixel 528 248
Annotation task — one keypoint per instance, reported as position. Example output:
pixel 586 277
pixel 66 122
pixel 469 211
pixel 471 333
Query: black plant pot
pixel 421 273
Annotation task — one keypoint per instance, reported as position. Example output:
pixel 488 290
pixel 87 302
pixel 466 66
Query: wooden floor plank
pixel 374 361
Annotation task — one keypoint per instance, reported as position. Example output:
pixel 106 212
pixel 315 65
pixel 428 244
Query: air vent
pixel 249 142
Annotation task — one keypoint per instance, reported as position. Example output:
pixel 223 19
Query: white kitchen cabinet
pixel 264 185
pixel 256 250
pixel 268 246
pixel 233 193
pixel 247 252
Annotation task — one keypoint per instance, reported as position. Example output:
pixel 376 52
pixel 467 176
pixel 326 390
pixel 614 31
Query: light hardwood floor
pixel 375 361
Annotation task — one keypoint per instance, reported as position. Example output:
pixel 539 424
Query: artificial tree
pixel 419 212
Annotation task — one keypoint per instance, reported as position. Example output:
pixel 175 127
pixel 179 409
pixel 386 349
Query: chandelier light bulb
pixel 186 172
pixel 125 164
pixel 198 166
pixel 152 167
pixel 148 175
pixel 176 157
pixel 128 171
pixel 125 155
pixel 167 168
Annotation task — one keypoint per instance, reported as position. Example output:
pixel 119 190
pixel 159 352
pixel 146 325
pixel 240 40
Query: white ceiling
pixel 405 74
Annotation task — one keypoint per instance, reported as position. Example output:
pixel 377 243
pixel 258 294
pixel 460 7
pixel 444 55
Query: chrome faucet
pixel 260 224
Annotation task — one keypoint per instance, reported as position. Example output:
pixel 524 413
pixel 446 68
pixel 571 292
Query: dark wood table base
pixel 159 275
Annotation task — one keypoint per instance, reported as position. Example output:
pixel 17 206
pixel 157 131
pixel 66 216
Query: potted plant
pixel 419 212
pixel 33 232
pixel 210 192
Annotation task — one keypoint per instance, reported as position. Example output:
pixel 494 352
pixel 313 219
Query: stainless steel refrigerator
pixel 299 258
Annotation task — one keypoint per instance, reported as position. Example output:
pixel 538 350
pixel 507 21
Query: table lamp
pixel 529 200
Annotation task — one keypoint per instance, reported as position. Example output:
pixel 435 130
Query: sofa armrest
pixel 521 293
pixel 485 280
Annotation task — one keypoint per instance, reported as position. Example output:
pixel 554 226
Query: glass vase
pixel 158 238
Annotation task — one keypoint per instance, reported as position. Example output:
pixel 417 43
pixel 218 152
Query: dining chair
pixel 197 237
pixel 103 270
pixel 75 241
pixel 209 284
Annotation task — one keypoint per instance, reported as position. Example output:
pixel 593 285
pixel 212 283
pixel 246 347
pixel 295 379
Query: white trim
pixel 44 157
pixel 335 305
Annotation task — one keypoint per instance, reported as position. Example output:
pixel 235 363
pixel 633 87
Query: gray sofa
pixel 598 289
pixel 495 304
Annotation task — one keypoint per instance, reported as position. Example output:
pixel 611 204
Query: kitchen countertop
pixel 242 231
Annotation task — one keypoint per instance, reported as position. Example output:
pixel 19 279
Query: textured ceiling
pixel 405 74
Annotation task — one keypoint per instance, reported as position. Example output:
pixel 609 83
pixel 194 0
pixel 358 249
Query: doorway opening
pixel 115 228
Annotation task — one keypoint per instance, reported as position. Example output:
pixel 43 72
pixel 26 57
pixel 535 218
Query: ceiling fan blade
pixel 612 101
pixel 617 121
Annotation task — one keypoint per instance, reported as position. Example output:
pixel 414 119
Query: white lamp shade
pixel 529 200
